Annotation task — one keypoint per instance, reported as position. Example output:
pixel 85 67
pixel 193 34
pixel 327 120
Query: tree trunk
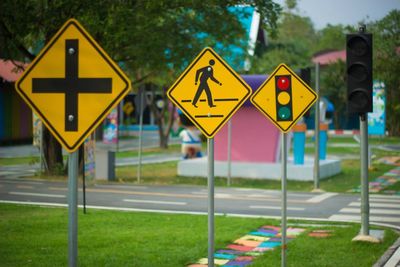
pixel 52 153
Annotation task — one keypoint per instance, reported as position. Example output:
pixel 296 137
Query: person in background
pixel 191 142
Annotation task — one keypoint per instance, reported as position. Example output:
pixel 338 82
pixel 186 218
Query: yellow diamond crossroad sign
pixel 72 85
pixel 283 98
pixel 209 92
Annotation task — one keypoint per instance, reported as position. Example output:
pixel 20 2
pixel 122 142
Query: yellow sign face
pixel 72 85
pixel 283 98
pixel 209 92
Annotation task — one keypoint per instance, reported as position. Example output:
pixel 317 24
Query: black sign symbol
pixel 204 74
pixel 71 85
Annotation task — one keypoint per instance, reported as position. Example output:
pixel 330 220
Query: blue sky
pixel 345 12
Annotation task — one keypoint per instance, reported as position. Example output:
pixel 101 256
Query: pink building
pixel 253 138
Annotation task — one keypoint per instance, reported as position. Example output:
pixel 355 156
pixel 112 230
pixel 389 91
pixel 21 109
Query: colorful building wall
pixel 253 138
pixel 15 116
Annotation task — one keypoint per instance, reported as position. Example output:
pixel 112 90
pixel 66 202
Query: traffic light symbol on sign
pixel 359 72
pixel 283 98
pixel 283 87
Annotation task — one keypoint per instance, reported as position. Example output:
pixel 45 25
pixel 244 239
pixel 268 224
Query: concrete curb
pixel 388 254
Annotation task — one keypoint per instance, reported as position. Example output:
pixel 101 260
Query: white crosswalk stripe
pixel 383 209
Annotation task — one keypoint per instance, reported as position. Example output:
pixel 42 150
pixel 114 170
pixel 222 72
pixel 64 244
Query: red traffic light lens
pixel 283 83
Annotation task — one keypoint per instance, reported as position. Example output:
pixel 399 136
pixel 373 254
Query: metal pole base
pixel 375 236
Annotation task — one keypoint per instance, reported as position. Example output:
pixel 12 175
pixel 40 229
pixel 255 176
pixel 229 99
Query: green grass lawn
pixel 37 236
pixel 149 151
pixel 19 161
pixel 166 173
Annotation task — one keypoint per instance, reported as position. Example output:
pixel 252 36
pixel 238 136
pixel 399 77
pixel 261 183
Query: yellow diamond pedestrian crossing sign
pixel 283 98
pixel 72 85
pixel 209 92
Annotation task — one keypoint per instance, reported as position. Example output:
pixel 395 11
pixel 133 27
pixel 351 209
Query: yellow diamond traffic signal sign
pixel 209 92
pixel 72 85
pixel 283 98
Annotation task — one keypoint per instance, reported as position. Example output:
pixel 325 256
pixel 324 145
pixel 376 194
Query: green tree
pixel 386 36
pixel 292 45
pixel 332 37
pixel 153 39
pixel 334 87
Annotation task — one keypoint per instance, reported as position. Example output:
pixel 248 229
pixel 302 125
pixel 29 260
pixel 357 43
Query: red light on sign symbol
pixel 283 83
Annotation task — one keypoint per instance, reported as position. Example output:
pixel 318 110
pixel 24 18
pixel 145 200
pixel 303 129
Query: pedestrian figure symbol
pixel 209 92
pixel 204 74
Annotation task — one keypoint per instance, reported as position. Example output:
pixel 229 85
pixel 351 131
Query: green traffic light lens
pixel 284 113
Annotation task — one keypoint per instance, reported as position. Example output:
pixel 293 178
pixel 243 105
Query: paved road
pixel 193 200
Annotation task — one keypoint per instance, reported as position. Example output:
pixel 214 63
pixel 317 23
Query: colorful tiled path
pixel 379 184
pixel 245 249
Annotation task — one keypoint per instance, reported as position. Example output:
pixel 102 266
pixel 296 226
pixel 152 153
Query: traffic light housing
pixel 283 89
pixel 359 72
pixel 305 75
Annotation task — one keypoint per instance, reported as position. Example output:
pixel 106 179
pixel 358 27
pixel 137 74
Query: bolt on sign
pixel 72 85
pixel 209 92
pixel 283 98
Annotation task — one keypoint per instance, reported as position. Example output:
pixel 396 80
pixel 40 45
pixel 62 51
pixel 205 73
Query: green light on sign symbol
pixel 284 113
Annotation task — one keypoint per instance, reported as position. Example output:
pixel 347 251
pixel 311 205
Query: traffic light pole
pixel 365 234
pixel 210 152
pixel 284 197
pixel 364 175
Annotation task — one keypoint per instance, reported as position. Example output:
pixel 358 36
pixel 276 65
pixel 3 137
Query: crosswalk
pixel 16 171
pixel 383 209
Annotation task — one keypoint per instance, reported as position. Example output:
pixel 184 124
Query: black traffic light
pixel 359 72
pixel 305 75
pixel 283 87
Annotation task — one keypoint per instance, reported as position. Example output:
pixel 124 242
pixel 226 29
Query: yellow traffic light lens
pixel 283 98
pixel 358 71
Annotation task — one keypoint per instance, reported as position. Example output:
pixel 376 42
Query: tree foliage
pixel 292 45
pixel 386 34
pixel 153 40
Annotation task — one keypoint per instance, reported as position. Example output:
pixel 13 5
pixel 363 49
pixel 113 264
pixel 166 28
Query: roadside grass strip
pixel 245 249
pixel 379 184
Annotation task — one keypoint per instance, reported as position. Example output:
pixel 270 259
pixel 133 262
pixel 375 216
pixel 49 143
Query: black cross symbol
pixel 72 85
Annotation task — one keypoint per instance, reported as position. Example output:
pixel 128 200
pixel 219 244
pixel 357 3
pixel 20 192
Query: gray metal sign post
pixel 72 209
pixel 317 118
pixel 141 109
pixel 229 151
pixel 284 197
pixel 210 152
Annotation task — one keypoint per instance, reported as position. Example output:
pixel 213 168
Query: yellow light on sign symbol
pixel 283 98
